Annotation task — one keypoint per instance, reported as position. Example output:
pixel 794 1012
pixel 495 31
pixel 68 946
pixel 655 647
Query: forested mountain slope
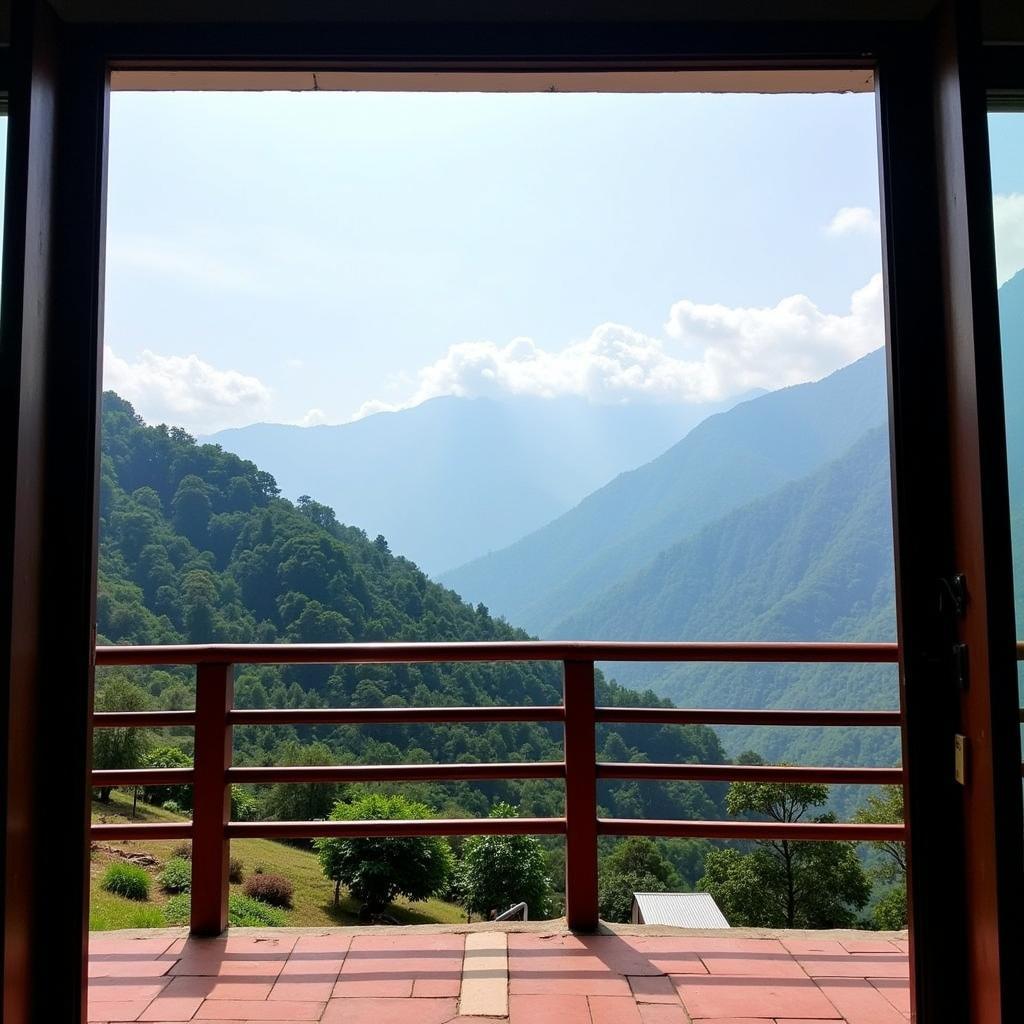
pixel 454 478
pixel 727 461
pixel 812 561
pixel 197 546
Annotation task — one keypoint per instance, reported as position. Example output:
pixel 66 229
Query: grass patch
pixel 312 898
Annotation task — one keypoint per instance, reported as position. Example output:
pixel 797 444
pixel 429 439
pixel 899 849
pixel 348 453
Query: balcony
pixel 527 974
pixel 574 971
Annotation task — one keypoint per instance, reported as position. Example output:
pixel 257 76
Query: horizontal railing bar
pixel 396 829
pixel 811 831
pixel 399 772
pixel 142 830
pixel 143 777
pixel 731 716
pixel 394 716
pixel 142 719
pixel 750 773
pixel 513 650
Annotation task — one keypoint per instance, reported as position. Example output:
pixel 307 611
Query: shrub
pixel 127 880
pixel 378 870
pixel 178 908
pixel 273 889
pixel 246 912
pixel 497 871
pixel 171 807
pixel 176 875
pixel 243 911
pixel 236 871
pixel 182 850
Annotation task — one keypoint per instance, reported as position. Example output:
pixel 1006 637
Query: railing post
pixel 211 799
pixel 580 797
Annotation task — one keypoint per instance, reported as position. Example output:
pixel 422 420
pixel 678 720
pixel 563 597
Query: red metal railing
pixel 213 774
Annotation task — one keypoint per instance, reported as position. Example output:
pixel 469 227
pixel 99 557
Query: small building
pixel 678 909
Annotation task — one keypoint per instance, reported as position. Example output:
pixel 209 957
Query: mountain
pixel 454 478
pixel 811 561
pixel 197 546
pixel 725 462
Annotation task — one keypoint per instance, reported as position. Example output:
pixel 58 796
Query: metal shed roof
pixel 681 909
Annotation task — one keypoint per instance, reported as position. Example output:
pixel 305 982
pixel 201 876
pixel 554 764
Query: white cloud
pixel 852 220
pixel 194 261
pixel 185 391
pixel 709 352
pixel 313 418
pixel 1008 214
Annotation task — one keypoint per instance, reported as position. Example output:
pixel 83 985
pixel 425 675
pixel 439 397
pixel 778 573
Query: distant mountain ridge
pixel 454 478
pixel 728 460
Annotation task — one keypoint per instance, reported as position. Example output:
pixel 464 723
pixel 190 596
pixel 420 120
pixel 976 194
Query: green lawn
pixel 313 897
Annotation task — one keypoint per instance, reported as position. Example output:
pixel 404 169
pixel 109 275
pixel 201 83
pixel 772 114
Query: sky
pixel 316 257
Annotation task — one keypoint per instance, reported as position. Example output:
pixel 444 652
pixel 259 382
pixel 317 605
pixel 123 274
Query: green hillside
pixel 727 461
pixel 197 546
pixel 813 561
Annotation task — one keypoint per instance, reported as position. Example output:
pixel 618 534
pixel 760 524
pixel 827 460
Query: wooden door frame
pixel 50 375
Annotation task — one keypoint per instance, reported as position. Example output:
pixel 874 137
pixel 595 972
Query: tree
pixel 167 757
pixel 886 807
pixel 378 870
pixel 785 884
pixel 498 871
pixel 119 748
pixel 636 865
pixel 307 801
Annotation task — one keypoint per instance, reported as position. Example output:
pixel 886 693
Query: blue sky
pixel 304 257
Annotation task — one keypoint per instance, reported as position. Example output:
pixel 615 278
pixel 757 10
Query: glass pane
pixel 1006 134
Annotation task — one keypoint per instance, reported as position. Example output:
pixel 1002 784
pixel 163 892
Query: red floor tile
pixel 128 968
pixel 219 988
pixel 390 1011
pixel 550 1009
pixel 116 1011
pixel 168 1008
pixel 226 967
pixel 613 1010
pixel 860 965
pixel 247 1010
pixel 859 1001
pixel 117 990
pixel 401 965
pixel 869 946
pixel 656 989
pixel 896 991
pixel 760 965
pixel 661 1013
pixel 725 996
pixel 101 945
pixel 831 947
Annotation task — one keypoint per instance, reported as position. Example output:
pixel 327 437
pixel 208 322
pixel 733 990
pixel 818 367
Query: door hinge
pixel 953 594
pixel 961 665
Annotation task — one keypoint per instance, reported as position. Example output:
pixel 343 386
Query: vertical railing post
pixel 580 797
pixel 211 799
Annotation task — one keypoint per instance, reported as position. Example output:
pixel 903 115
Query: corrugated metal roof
pixel 680 909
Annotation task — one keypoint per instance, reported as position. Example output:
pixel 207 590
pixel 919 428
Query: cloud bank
pixel 186 390
pixel 708 352
pixel 852 220
pixel 1008 216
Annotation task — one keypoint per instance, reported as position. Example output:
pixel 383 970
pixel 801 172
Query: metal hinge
pixel 953 594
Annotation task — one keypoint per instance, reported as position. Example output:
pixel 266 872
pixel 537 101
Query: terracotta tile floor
pixel 415 976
